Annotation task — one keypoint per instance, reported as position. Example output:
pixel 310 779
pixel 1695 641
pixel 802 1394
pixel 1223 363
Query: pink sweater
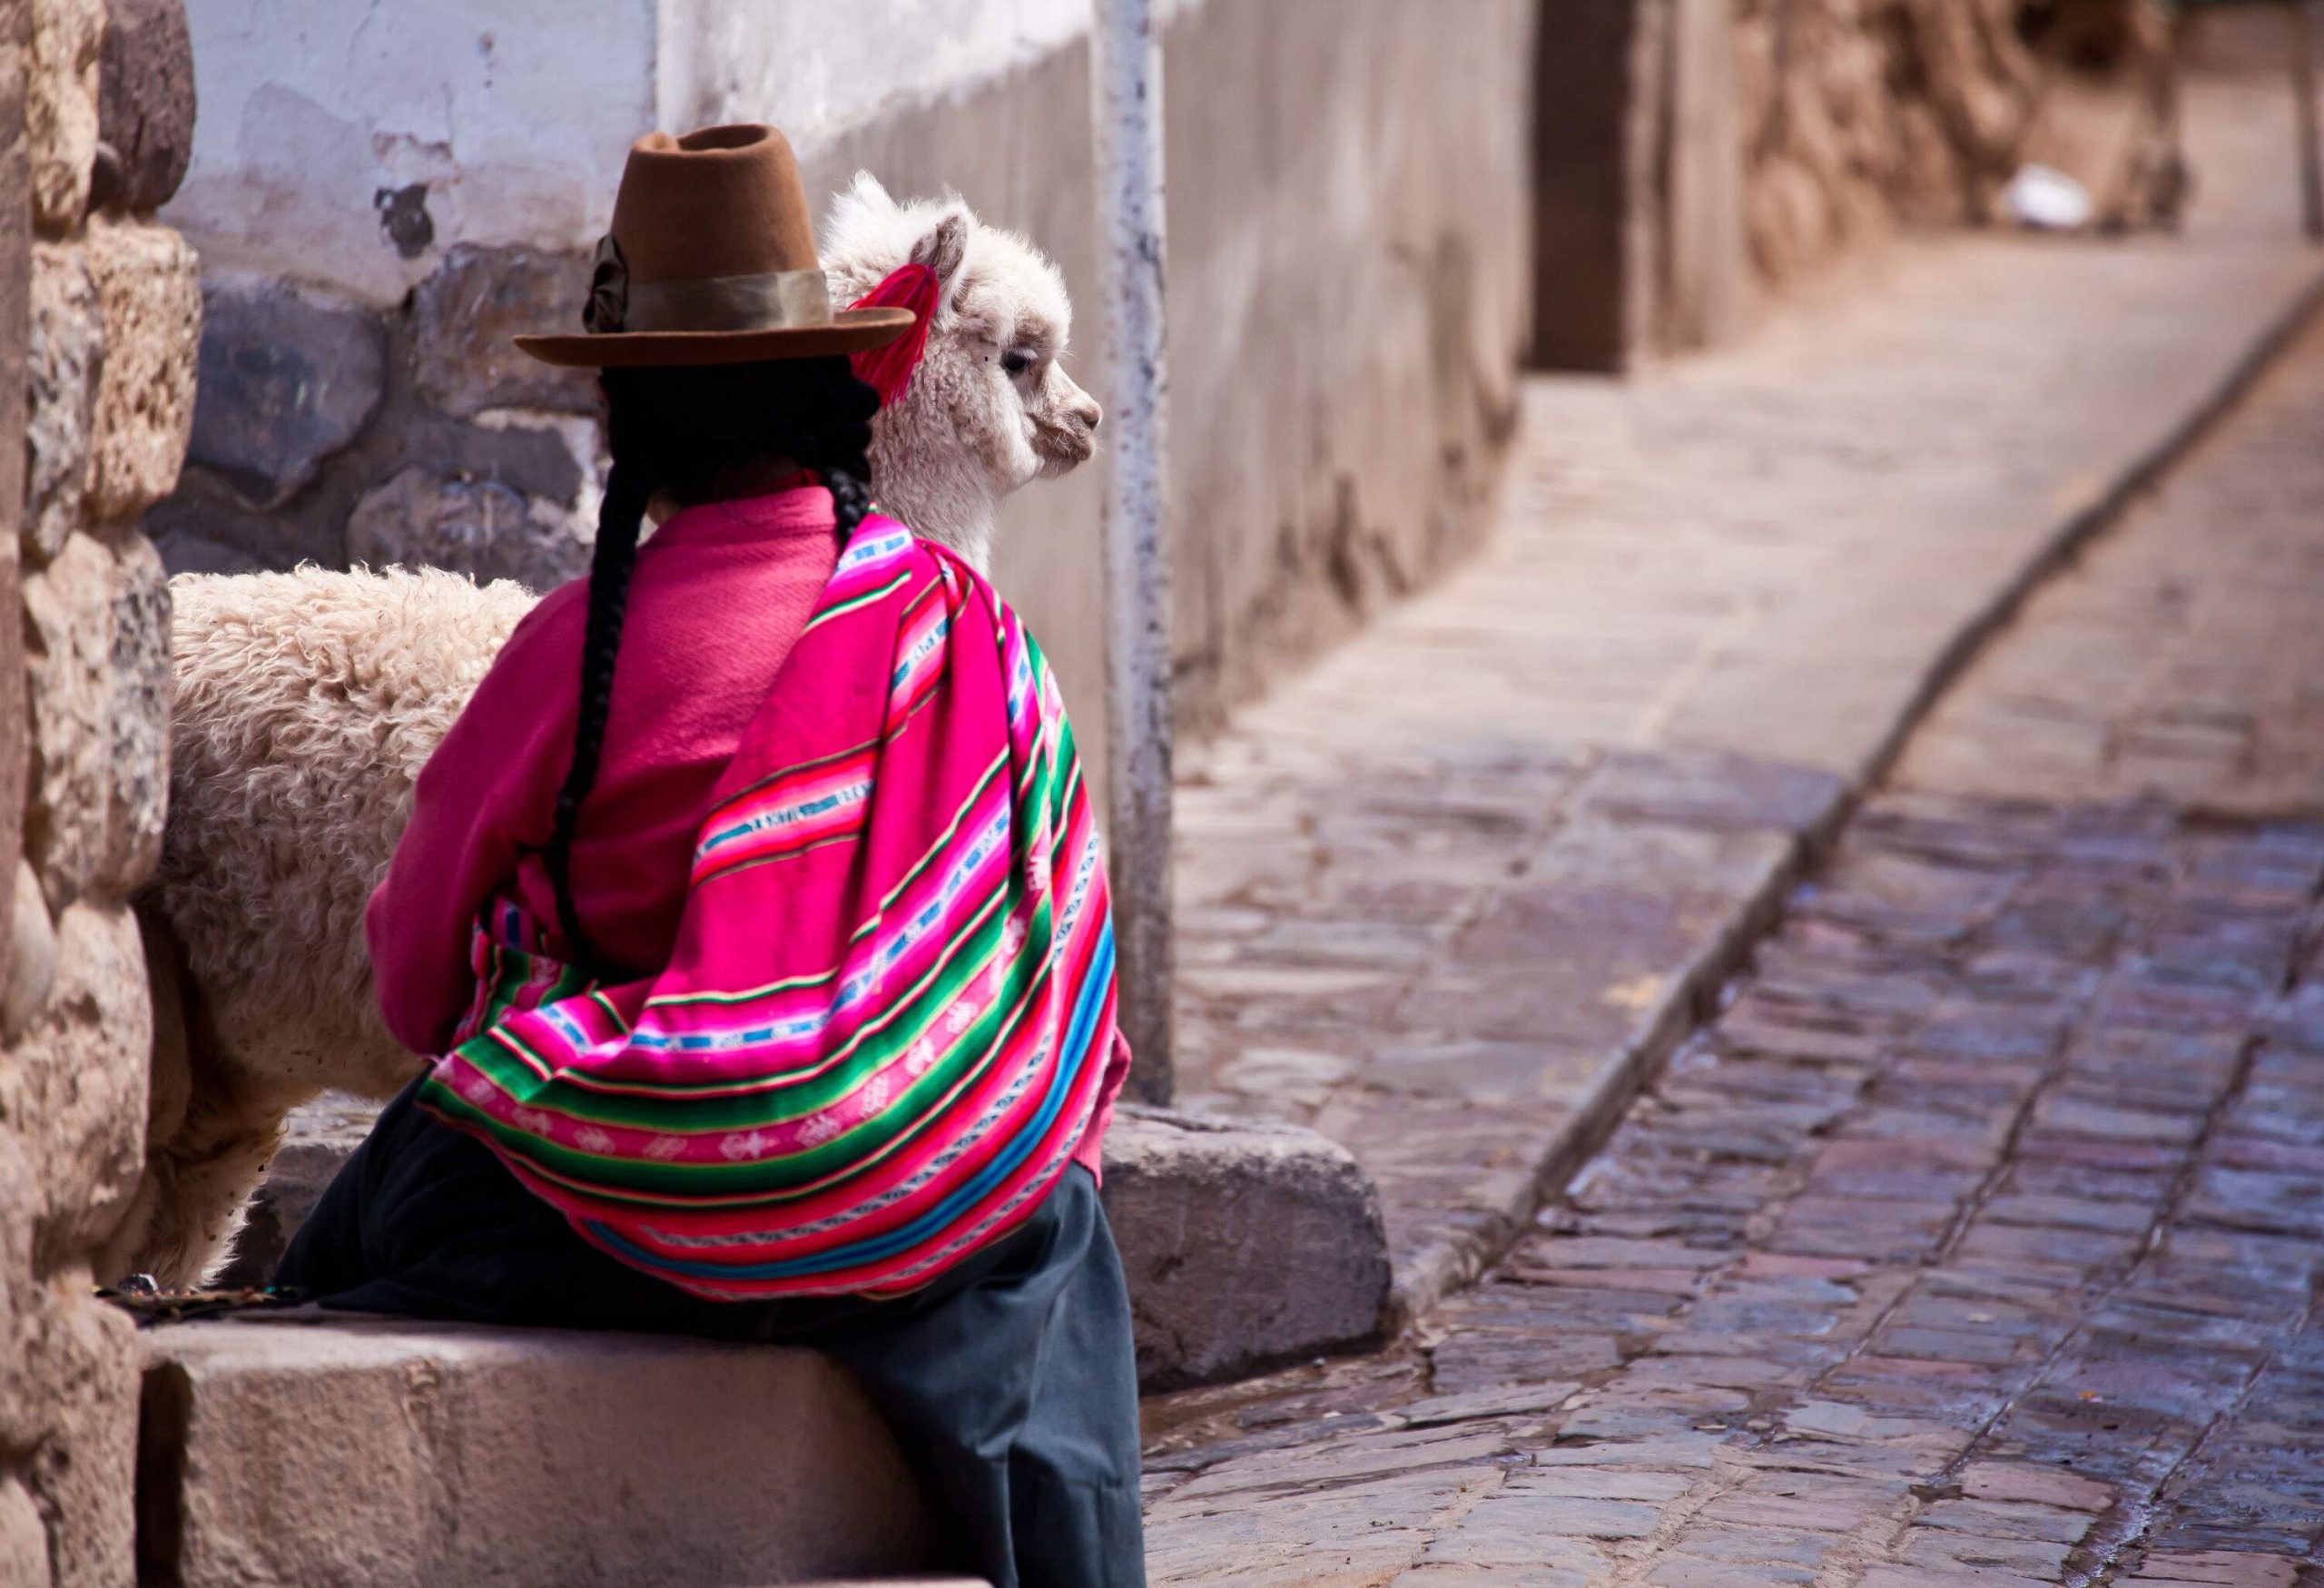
pixel 720 595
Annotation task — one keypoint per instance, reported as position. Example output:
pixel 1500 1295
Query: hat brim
pixel 850 330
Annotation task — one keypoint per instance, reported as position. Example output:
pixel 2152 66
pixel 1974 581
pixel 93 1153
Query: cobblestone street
pixel 1977 1239
pixel 1980 1233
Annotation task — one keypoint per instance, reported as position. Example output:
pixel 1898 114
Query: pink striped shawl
pixel 884 1026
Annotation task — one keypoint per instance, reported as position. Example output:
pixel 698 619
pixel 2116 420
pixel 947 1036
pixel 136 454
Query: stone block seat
pixel 307 1450
pixel 1245 1245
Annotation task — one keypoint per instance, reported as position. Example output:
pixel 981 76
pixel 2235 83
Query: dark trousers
pixel 1010 1383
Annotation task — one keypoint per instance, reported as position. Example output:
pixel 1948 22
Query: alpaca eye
pixel 1016 361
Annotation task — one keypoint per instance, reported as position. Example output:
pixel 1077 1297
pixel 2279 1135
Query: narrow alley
pixel 1976 1241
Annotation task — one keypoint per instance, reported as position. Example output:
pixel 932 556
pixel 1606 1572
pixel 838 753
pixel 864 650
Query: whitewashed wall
pixel 515 113
pixel 817 67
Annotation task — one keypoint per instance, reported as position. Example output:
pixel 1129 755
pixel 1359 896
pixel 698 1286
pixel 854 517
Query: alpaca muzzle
pixel 1069 442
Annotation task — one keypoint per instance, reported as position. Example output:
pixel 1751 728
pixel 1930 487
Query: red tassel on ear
pixel 889 370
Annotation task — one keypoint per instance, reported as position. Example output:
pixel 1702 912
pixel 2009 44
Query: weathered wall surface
pixel 1348 278
pixel 99 316
pixel 348 145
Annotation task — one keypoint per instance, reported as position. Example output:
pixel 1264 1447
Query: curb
pixel 1450 1264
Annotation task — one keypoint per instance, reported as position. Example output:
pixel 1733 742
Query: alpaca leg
pixel 195 1195
pixel 208 1137
pixel 169 1090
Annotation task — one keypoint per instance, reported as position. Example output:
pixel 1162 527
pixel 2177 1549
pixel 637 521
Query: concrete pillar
pixel 1126 119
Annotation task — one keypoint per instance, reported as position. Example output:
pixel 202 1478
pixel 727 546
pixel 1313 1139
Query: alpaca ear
pixel 944 250
pixel 856 208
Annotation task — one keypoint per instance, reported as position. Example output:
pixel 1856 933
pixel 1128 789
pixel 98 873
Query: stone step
pixel 300 1450
pixel 1246 1246
pixel 313 1449
pixel 320 1450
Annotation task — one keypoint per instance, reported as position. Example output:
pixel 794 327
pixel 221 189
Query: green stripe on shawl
pixel 776 1178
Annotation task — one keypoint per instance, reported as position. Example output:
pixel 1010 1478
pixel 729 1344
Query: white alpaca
pixel 992 409
pixel 306 702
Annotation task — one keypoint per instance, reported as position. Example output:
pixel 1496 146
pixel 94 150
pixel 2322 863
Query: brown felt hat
pixel 712 261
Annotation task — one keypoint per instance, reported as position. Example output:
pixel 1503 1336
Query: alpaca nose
pixel 1091 415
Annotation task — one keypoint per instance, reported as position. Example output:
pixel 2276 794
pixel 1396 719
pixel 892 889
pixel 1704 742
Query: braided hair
pixel 692 433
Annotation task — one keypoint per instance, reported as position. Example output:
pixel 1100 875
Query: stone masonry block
pixel 1244 1244
pixel 463 319
pixel 68 633
pixel 307 1452
pixel 140 728
pixel 144 104
pixel 68 1403
pixel 23 1399
pixel 317 1138
pixel 287 379
pixel 148 290
pixel 67 353
pixel 85 1470
pixel 16 390
pixel 61 107
pixel 76 1086
pixel 483 527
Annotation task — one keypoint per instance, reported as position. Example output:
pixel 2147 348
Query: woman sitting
pixel 767 976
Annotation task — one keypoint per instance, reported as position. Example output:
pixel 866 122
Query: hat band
pixel 769 301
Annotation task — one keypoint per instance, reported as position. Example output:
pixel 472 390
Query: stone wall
pixel 99 317
pixel 1348 279
pixel 1692 156
pixel 1855 114
pixel 332 431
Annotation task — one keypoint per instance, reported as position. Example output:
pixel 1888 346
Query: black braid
pixel 851 495
pixel 689 432
pixel 839 450
pixel 619 521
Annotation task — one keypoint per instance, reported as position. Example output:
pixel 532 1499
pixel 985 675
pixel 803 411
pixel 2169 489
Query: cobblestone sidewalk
pixel 1450 895
pixel 1977 1242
